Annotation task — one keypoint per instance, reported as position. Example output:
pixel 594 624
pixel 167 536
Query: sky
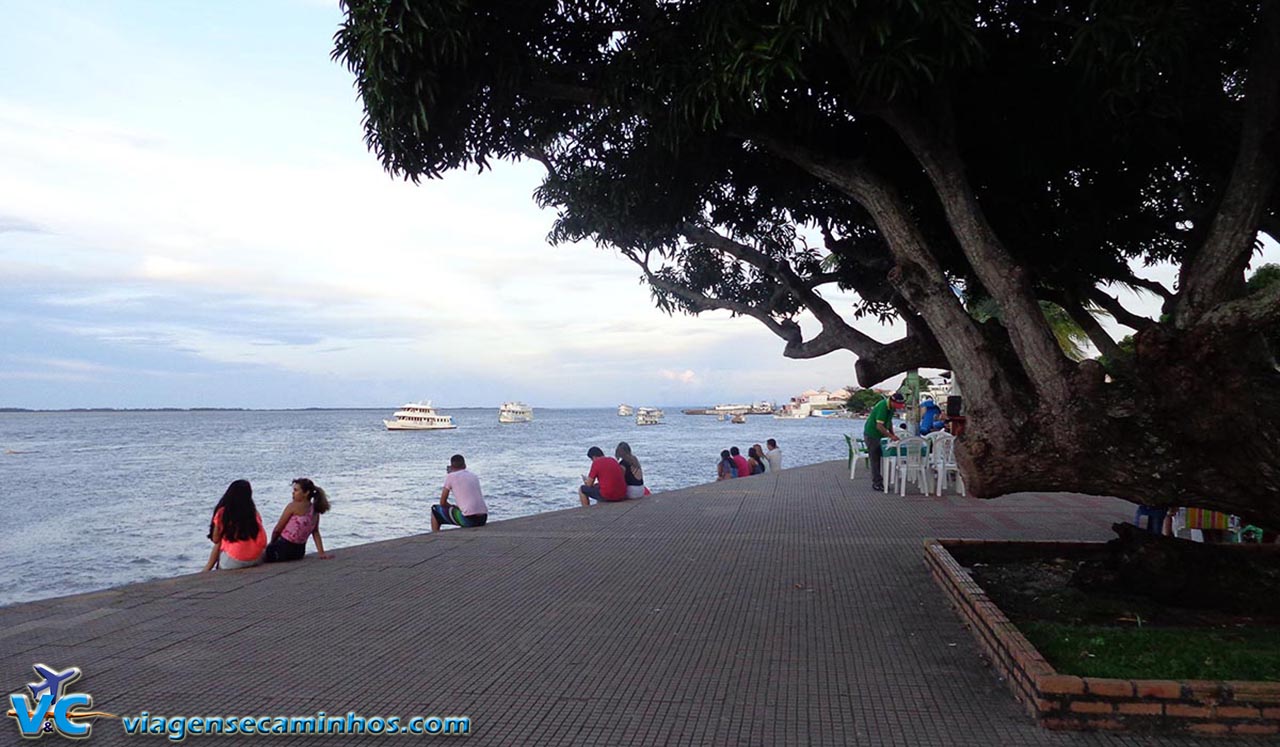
pixel 189 218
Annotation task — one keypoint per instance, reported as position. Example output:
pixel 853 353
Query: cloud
pixel 686 376
pixel 248 230
pixel 13 224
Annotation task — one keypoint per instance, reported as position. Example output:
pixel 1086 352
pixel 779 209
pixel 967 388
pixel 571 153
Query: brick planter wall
pixel 1060 701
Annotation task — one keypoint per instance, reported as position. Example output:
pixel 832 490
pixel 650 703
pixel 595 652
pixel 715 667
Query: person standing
pixel 605 481
pixel 774 455
pixel 739 461
pixel 464 486
pixel 879 425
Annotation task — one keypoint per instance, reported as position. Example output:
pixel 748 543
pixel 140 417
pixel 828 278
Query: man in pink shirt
pixel 744 467
pixel 606 480
pixel 464 486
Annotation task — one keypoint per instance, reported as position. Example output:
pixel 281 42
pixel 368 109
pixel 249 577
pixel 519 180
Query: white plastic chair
pixel 944 462
pixel 912 464
pixel 857 453
pixel 888 464
pixel 860 454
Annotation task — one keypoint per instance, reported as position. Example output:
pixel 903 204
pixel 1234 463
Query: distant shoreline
pixel 270 409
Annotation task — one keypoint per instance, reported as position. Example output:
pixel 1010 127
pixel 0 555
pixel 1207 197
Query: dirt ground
pixel 1041 589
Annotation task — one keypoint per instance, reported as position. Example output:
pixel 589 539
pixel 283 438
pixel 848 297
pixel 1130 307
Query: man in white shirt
pixel 464 486
pixel 774 455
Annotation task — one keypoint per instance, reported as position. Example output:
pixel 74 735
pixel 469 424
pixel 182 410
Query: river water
pixel 90 500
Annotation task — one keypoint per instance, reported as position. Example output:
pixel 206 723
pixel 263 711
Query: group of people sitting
pixel 757 461
pixel 614 479
pixel 239 539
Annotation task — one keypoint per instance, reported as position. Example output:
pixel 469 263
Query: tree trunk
pixel 1193 424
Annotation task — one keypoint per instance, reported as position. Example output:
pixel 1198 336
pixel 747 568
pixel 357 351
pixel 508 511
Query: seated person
pixel 463 484
pixel 930 417
pixel 605 481
pixel 739 461
pixel 239 540
pixel 755 457
pixel 726 469
pixel 300 520
pixel 631 471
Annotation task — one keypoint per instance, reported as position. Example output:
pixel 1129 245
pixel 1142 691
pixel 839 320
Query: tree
pixel 1264 278
pixel 945 152
pixel 862 400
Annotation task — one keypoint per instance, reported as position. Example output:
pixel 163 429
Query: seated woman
pixel 755 457
pixel 236 530
pixel 301 519
pixel 632 475
pixel 725 469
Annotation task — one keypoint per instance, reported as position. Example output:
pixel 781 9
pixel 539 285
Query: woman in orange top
pixel 236 530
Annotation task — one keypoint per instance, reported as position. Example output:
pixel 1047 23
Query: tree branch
pixel 1256 311
pixel 1089 323
pixel 1007 282
pixel 1119 312
pixel 800 288
pixel 1151 285
pixel 918 276
pixel 912 351
pixel 1216 274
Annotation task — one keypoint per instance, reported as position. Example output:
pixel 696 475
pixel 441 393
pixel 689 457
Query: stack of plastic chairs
pixel 944 462
pixel 912 464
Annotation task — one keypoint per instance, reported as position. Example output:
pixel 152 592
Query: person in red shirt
pixel 744 467
pixel 605 481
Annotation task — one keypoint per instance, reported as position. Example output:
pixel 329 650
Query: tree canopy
pixel 948 153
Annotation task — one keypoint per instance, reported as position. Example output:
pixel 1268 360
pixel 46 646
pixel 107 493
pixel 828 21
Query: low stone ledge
pixel 1062 701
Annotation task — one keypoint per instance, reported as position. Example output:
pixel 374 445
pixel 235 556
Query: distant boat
pixel 419 416
pixel 515 412
pixel 625 411
pixel 739 418
pixel 793 412
pixel 649 416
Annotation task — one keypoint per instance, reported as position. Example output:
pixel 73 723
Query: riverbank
pixel 779 609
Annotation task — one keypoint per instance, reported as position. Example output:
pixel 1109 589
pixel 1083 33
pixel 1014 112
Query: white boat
pixel 625 411
pixel 515 412
pixel 793 411
pixel 419 416
pixel 649 416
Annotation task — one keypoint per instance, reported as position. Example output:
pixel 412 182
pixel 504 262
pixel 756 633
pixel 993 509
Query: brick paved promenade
pixel 789 609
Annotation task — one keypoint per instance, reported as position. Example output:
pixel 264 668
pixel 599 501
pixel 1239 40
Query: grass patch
pixel 1158 653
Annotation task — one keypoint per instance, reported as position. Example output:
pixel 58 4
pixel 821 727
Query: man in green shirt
pixel 879 425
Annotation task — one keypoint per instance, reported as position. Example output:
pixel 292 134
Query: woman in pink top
pixel 236 530
pixel 301 519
